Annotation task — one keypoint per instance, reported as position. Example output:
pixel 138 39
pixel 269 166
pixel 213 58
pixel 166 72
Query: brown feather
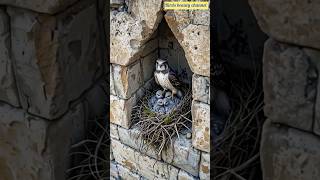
pixel 173 80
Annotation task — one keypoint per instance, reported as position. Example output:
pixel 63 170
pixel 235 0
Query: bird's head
pixel 161 65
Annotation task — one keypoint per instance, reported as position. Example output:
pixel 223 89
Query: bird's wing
pixel 155 78
pixel 173 79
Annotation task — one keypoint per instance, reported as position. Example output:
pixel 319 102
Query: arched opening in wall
pixel 159 115
pixel 238 109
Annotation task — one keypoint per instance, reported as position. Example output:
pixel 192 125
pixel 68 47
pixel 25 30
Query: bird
pixel 166 78
pixel 159 94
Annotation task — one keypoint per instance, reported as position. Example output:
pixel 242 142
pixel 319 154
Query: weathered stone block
pixel 194 39
pixel 185 176
pixel 183 155
pixel 120 111
pixel 114 131
pixel 138 163
pixel 130 137
pixel 204 172
pixel 288 153
pixel 33 148
pixel 129 32
pixel 56 58
pixel 43 6
pixel 127 80
pixel 8 89
pixel 125 173
pixel 201 88
pixel 111 82
pixel 95 100
pixel 291 21
pixel 149 65
pixel 114 172
pixel 200 126
pixel 290 85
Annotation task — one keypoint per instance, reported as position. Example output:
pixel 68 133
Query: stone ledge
pixel 181 155
pixel 138 163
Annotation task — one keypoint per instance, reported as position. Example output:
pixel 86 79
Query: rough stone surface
pixel 200 126
pixel 114 172
pixel 130 137
pixel 130 32
pixel 125 173
pixel 120 111
pixel 290 85
pixel 145 166
pixel 43 6
pixel 287 153
pixel 314 57
pixel 95 100
pixel 204 172
pixel 8 89
pixel 290 21
pixel 183 155
pixel 201 88
pixel 127 79
pixel 114 131
pixel 56 58
pixel 185 176
pixel 33 148
pixel 149 65
pixel 194 39
pixel 112 89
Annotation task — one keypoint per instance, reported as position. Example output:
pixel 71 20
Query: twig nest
pixel 161 118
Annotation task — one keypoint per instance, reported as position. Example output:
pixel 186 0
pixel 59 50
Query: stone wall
pixel 141 32
pixel 290 144
pixel 51 71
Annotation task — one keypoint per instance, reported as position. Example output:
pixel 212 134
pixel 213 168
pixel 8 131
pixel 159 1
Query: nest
pixel 236 151
pixel 158 130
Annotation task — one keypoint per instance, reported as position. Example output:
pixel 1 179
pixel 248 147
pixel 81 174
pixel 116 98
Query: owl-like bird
pixel 166 78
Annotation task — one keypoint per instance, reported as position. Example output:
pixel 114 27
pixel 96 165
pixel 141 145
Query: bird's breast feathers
pixel 163 79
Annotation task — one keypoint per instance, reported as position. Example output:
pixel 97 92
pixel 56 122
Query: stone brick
pixel 8 89
pixel 149 65
pixel 290 85
pixel 130 31
pixel 95 99
pixel 130 137
pixel 56 58
pixel 143 165
pixel 120 111
pixel 314 80
pixel 114 131
pixel 288 153
pixel 183 155
pixel 200 126
pixel 201 88
pixel 194 40
pixel 114 172
pixel 185 176
pixel 291 21
pixel 43 6
pixel 149 47
pixel 125 173
pixel 111 82
pixel 204 172
pixel 127 80
pixel 33 148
